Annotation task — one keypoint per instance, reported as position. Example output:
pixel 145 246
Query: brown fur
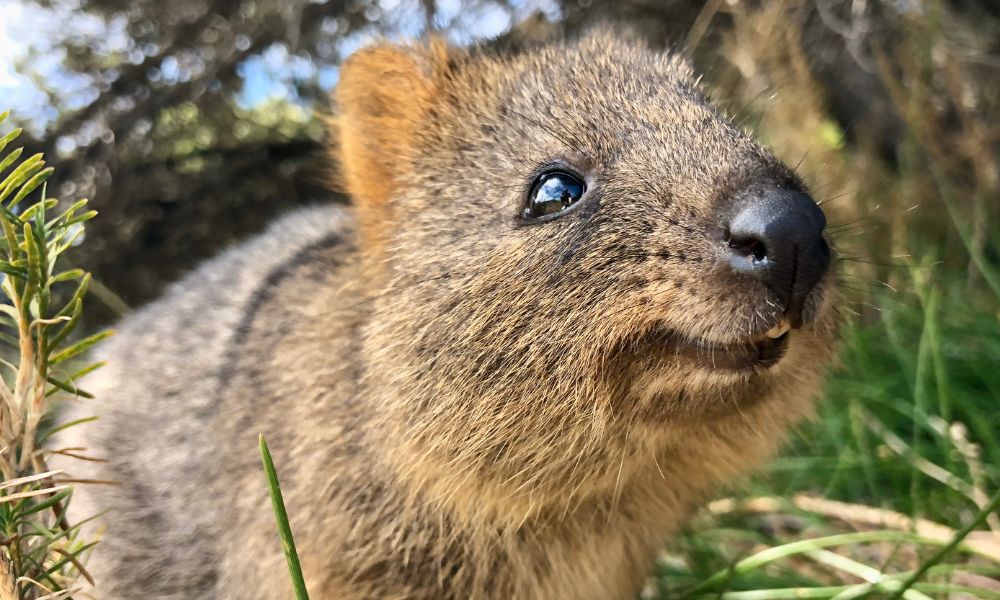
pixel 460 405
pixel 386 91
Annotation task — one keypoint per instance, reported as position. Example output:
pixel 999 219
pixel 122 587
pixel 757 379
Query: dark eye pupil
pixel 553 193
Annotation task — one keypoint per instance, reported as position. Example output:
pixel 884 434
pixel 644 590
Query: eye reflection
pixel 553 193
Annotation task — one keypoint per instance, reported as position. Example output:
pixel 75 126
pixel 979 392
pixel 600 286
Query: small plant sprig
pixel 40 552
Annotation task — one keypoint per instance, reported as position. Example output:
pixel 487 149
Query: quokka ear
pixel 383 98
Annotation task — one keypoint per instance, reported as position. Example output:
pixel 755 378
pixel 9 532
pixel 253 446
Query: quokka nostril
pixel 750 248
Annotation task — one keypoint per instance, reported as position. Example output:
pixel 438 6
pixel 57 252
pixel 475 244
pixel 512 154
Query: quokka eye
pixel 553 193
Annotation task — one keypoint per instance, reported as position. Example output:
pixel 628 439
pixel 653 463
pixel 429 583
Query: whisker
pixel 795 169
pixel 877 186
pixel 868 261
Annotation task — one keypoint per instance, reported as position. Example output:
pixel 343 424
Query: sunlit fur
pixel 460 404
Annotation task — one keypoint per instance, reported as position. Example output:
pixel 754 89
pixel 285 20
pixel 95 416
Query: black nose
pixel 777 238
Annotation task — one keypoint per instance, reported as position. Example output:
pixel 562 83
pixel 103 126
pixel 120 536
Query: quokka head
pixel 569 245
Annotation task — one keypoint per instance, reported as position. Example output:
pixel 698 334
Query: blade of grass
pixel 828 592
pixel 942 552
pixel 759 559
pixel 847 565
pixel 284 529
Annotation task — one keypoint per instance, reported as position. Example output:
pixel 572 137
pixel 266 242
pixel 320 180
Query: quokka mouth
pixel 753 354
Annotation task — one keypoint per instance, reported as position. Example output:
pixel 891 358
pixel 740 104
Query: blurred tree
pixel 177 155
pixel 191 123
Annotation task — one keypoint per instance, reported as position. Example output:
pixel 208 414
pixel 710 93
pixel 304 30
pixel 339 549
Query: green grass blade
pixel 284 529
pixel 938 556
pixel 759 559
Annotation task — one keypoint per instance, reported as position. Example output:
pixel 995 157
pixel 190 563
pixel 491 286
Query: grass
pixel 882 493
pixel 284 528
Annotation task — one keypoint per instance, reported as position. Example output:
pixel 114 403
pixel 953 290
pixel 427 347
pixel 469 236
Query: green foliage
pixel 40 551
